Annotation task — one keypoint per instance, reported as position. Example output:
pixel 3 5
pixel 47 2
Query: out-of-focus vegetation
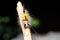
pixel 35 22
pixel 6 30
pixel 4 19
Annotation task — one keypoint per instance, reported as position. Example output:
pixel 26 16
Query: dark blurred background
pixel 46 12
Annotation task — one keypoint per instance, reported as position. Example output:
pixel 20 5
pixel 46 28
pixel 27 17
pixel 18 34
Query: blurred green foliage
pixel 7 31
pixel 35 22
pixel 5 19
pixel 1 30
pixel 6 36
